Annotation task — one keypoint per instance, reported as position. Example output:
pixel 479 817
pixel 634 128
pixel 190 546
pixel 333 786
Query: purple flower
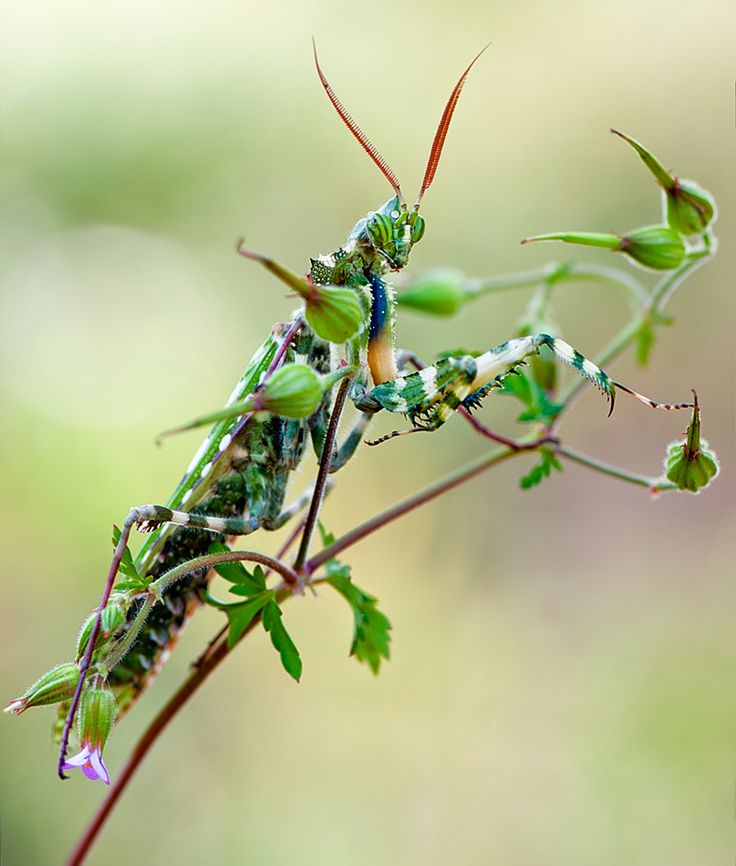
pixel 90 761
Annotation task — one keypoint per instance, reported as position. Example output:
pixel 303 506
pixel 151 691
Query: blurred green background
pixel 561 688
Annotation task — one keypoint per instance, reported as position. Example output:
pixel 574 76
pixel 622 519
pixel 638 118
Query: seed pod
pixel 691 465
pixel 335 314
pixel 688 207
pixel 658 247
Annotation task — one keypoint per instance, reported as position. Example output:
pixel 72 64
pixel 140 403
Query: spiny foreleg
pixel 429 397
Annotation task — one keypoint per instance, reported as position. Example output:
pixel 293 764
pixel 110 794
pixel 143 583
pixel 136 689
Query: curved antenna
pixel 356 130
pixel 439 136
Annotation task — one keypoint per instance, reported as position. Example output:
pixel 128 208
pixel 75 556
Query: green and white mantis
pixel 238 479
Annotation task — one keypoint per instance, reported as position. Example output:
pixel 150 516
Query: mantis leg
pixel 429 396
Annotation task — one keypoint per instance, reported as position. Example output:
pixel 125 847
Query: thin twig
pixel 322 474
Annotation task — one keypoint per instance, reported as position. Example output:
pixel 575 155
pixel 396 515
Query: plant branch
pixel 322 475
pixel 653 484
pixel 454 479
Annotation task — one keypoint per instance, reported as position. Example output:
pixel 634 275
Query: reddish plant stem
pixel 322 475
pixel 91 641
pixel 219 650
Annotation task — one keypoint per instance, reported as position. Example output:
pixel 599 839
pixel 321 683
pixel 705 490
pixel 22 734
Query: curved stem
pixel 218 650
pixel 653 484
pixel 554 273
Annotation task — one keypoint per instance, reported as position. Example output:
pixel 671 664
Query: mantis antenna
pixel 362 138
pixel 444 124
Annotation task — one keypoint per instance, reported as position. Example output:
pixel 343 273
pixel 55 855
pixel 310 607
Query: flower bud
pixel 438 292
pixel 295 391
pixel 112 618
pixel 691 465
pixel 689 208
pixel 97 716
pixel 658 247
pixel 334 313
pixel 53 687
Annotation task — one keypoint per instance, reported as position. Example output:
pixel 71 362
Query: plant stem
pixel 117 557
pixel 654 484
pixel 218 650
pixel 151 734
pixel 322 475
pixel 553 273
pixel 454 479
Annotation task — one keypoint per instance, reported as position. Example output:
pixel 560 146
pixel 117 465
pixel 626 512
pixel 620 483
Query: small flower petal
pixel 99 767
pixel 77 761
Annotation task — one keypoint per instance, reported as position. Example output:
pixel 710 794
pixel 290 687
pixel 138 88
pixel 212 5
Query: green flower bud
pixel 53 687
pixel 691 465
pixel 112 618
pixel 335 314
pixel 295 391
pixel 438 292
pixel 688 207
pixel 658 247
pixel 97 714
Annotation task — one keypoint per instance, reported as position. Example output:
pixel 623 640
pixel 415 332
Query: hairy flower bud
pixel 438 292
pixel 688 207
pixel 691 465
pixel 97 714
pixel 335 314
pixel 53 687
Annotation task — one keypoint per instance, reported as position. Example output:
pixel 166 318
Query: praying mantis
pixel 338 346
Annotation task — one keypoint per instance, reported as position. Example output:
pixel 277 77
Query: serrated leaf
pixel 539 407
pixel 246 582
pixel 371 636
pixel 240 614
pixel 282 641
pixel 541 470
pixel 127 565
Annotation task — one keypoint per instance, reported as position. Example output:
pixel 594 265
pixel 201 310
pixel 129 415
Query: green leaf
pixel 371 636
pixel 327 537
pixel 539 408
pixel 128 569
pixel 246 583
pixel 541 470
pixel 281 640
pixel 240 614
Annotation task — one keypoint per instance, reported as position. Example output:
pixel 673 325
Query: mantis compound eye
pixel 380 230
pixel 417 227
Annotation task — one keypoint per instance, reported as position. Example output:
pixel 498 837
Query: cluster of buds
pixel 688 210
pixel 96 717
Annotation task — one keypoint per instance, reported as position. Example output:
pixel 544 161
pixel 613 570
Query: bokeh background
pixel 561 687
